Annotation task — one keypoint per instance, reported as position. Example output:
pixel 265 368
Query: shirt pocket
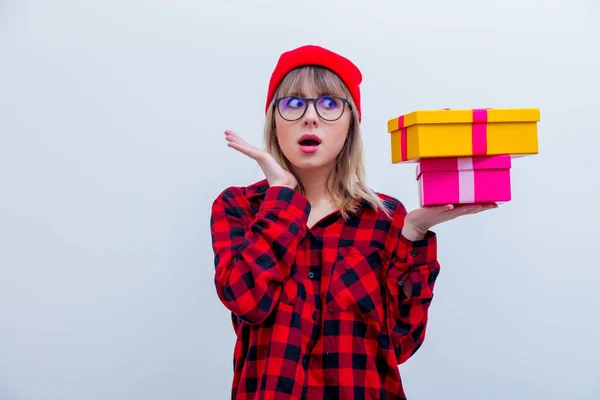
pixel 355 284
pixel 289 293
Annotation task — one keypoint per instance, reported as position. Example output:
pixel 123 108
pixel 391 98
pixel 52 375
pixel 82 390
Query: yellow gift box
pixel 464 133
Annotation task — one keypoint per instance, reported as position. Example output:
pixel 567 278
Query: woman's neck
pixel 314 182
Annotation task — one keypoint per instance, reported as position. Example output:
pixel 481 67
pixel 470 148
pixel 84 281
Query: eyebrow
pixel 299 93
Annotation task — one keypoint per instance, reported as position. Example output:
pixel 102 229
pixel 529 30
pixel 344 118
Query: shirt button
pixel 305 361
pixel 311 274
pixel 414 253
pixel 400 282
pixel 314 316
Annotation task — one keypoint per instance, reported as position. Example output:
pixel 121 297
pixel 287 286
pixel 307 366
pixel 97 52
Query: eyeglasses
pixel 329 108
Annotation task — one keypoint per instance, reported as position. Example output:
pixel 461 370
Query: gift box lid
pixel 447 116
pixel 463 163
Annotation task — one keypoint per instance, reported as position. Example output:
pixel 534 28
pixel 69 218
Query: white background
pixel 112 150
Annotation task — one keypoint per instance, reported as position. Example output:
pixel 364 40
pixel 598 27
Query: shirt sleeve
pixel 413 264
pixel 254 257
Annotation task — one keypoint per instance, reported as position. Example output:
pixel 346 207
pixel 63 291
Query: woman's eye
pixel 294 102
pixel 328 102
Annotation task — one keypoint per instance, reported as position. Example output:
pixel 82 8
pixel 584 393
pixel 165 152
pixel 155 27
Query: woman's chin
pixel 312 164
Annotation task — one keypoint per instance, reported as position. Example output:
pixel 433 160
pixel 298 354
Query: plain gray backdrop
pixel 112 150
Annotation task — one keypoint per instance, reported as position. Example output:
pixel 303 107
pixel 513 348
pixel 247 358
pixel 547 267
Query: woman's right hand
pixel 275 174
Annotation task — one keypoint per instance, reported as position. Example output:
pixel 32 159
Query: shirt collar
pixel 259 189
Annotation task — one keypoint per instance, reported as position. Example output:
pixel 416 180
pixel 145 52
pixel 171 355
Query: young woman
pixel 328 282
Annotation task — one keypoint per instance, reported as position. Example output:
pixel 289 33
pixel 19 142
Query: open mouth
pixel 309 142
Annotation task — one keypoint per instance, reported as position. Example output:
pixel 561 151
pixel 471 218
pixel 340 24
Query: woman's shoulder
pixel 257 188
pixel 391 203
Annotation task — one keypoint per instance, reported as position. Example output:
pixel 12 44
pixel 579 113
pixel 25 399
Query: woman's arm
pixel 252 261
pixel 413 270
pixel 411 277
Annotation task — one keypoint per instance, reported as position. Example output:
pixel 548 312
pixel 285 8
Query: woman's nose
pixel 311 116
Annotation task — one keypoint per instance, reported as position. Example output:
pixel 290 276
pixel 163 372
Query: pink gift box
pixel 462 180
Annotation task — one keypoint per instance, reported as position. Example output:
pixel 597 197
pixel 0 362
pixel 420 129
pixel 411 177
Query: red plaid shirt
pixel 319 312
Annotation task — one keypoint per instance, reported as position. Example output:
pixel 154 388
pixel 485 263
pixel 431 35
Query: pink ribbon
pixel 478 134
pixel 403 139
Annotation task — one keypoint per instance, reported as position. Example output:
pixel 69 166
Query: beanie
pixel 316 55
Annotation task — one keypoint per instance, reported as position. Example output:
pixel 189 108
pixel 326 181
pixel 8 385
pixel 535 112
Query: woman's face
pixel 329 136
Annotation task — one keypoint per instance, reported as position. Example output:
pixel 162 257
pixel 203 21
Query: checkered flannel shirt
pixel 319 312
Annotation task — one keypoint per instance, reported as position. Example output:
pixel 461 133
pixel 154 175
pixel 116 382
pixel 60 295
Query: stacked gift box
pixel 464 156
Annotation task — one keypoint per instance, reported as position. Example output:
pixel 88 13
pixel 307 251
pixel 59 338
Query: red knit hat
pixel 315 55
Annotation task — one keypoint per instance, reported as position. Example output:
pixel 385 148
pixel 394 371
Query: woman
pixel 328 282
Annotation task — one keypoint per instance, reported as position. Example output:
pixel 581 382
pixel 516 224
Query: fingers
pixel 239 144
pixel 468 209
pixel 455 210
pixel 232 137
pixel 441 208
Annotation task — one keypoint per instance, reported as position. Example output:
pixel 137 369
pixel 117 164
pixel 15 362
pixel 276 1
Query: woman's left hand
pixel 420 220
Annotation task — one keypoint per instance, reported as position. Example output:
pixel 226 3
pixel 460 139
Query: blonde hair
pixel 346 185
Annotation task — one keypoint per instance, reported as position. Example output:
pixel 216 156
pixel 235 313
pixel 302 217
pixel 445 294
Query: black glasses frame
pixel 314 101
